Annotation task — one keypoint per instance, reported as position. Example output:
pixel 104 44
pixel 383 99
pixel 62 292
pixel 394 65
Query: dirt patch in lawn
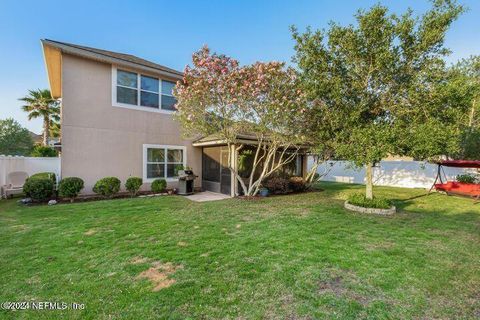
pixel 20 228
pixel 139 260
pixel 159 274
pixel 379 246
pixel 90 232
pixel 33 280
pixel 340 286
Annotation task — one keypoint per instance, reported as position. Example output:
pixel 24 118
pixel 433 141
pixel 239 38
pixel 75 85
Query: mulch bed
pixel 95 197
pixel 258 197
pixel 124 195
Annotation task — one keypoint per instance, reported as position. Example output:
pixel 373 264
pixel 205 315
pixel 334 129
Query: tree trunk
pixel 46 129
pixel 269 165
pixel 369 182
pixel 472 115
pixel 310 177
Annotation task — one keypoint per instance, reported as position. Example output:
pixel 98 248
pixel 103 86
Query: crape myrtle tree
pixel 219 97
pixel 373 85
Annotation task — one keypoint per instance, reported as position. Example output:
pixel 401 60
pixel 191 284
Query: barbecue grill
pixel 185 182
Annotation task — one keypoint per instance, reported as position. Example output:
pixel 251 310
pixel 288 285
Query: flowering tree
pixel 220 97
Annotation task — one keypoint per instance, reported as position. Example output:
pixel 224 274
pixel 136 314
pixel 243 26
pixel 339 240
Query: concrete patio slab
pixel 207 196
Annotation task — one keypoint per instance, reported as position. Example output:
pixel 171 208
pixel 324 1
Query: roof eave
pixel 107 59
pixel 53 64
pixel 221 142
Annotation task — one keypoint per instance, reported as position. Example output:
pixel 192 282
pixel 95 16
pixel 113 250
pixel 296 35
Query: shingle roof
pixel 117 55
pixel 35 137
pixel 243 138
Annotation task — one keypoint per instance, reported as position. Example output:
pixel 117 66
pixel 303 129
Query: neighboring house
pixel 37 138
pixel 117 120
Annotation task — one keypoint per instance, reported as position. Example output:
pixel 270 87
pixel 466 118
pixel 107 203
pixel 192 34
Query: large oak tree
pixel 373 87
pixel 14 139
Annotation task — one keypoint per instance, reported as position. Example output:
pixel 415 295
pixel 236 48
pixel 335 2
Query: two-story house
pixel 117 120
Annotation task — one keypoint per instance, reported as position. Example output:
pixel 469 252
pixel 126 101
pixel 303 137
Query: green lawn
pixel 297 256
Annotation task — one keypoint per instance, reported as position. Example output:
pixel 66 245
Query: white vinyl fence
pixel 407 174
pixel 30 165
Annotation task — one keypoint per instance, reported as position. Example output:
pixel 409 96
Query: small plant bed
pixel 96 197
pixel 278 186
pixel 121 195
pixel 287 193
pixel 359 203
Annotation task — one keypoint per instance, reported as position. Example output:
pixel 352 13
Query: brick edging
pixel 385 212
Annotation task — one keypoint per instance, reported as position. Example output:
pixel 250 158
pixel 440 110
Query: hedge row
pixel 109 186
pixel 42 186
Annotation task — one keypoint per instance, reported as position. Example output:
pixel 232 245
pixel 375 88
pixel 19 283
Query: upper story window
pixel 149 92
pixel 168 100
pixel 138 90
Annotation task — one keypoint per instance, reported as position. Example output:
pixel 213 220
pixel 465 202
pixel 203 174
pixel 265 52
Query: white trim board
pixel 138 106
pixel 165 147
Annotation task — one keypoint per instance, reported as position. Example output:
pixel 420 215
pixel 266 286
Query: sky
pixel 168 32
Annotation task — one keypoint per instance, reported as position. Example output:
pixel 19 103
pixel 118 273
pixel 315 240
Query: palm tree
pixel 39 103
pixel 55 129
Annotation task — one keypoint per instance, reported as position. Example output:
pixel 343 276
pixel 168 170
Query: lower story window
pixel 162 162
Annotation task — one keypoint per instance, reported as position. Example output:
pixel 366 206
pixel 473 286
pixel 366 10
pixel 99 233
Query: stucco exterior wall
pixel 100 140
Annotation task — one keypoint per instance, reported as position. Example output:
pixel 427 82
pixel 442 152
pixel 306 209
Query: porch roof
pixel 247 139
pixel 217 140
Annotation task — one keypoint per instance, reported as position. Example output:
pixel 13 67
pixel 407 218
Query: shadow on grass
pixel 414 202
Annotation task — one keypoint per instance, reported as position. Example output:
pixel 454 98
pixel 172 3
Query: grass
pixel 295 256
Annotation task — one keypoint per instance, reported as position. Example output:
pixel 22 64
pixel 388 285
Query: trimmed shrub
pixel 45 175
pixel 107 186
pixel 359 199
pixel 43 151
pixel 276 185
pixel 133 184
pixel 39 189
pixel 466 178
pixel 159 185
pixel 70 187
pixel 297 184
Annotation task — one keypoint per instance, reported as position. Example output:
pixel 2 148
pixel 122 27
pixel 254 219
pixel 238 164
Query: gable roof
pixel 53 49
pixel 115 55
pixel 37 138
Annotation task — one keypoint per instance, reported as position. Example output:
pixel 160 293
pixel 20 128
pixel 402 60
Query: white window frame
pixel 139 93
pixel 165 148
pixel 139 90
pixel 164 94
